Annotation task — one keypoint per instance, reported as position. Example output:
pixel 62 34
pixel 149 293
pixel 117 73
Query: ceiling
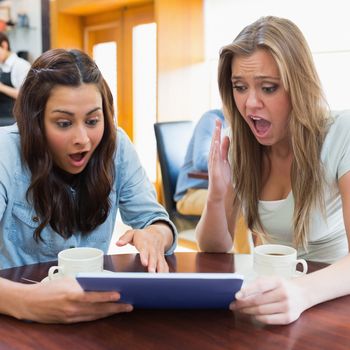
pixel 86 7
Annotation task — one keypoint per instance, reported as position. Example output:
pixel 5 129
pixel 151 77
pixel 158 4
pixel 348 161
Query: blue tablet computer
pixel 167 290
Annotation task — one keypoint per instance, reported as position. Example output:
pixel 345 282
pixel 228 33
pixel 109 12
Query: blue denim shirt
pixel 132 194
pixel 196 158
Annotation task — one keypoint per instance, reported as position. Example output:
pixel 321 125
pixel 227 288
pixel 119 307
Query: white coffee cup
pixel 277 260
pixel 74 260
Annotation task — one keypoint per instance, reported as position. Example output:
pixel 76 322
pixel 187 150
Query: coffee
pixel 276 254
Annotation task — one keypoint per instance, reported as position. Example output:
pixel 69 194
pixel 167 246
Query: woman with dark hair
pixel 287 168
pixel 65 170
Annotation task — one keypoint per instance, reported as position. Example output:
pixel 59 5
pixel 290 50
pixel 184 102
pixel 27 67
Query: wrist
pixel 13 298
pixel 306 292
pixel 164 229
pixel 215 203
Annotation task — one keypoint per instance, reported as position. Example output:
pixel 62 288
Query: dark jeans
pixel 6 121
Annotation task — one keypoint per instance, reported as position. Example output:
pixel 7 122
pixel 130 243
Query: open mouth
pixel 77 157
pixel 261 125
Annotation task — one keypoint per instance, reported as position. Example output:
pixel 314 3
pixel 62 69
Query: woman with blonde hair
pixel 287 168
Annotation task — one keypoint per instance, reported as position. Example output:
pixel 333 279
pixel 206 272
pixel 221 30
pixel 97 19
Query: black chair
pixel 5 121
pixel 172 141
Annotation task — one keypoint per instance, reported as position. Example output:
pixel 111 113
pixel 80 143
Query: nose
pixel 81 136
pixel 253 100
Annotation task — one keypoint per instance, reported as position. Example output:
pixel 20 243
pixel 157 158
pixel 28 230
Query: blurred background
pixel 160 57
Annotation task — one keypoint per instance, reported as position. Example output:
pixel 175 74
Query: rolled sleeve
pixel 138 204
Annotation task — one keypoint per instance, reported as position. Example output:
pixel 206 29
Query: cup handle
pixel 303 272
pixel 54 271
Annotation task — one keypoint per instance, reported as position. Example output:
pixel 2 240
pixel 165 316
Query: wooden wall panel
pixel 66 30
pixel 180 35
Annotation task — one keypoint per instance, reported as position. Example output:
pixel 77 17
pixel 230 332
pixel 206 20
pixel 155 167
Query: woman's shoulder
pixel 11 166
pixel 124 145
pixel 339 125
pixel 337 140
pixel 9 141
pixel 336 150
pixel 123 139
pixel 341 118
pixel 121 133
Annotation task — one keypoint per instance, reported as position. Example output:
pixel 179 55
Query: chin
pixel 74 171
pixel 265 142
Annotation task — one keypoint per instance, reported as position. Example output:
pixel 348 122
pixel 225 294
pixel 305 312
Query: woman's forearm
pixel 12 297
pixel 9 91
pixel 326 284
pixel 212 231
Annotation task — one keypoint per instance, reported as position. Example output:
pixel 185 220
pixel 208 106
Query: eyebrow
pixel 72 114
pixel 260 77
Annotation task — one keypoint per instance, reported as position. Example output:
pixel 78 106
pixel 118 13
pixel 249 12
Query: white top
pixel 327 239
pixel 18 67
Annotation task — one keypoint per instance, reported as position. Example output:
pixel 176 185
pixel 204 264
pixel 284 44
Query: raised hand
pixel 218 165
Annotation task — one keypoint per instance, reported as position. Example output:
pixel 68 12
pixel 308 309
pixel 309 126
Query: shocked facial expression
pixel 74 125
pixel 261 97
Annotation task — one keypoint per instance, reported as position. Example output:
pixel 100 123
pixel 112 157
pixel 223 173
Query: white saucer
pixel 46 279
pixel 298 274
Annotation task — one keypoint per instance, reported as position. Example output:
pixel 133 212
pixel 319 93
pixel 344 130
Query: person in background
pixel 290 170
pixel 65 170
pixel 13 70
pixel 191 193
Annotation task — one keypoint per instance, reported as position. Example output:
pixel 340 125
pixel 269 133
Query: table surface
pixel 198 175
pixel 325 326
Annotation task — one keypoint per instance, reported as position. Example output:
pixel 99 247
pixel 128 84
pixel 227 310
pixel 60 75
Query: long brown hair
pixel 86 206
pixel 308 120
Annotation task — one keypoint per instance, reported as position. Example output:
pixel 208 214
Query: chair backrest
pixel 172 141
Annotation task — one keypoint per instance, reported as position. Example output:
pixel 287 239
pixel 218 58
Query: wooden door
pixel 117 26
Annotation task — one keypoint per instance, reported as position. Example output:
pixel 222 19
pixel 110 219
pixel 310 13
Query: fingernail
pixel 239 295
pixel 115 297
pixel 232 306
pixel 129 308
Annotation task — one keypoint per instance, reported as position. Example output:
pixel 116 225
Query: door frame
pixel 88 47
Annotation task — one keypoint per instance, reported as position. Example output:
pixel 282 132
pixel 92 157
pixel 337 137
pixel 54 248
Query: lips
pixel 77 157
pixel 261 125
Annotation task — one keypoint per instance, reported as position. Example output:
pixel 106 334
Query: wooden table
pixel 198 175
pixel 326 326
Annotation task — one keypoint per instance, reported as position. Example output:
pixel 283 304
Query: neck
pixel 282 150
pixel 67 178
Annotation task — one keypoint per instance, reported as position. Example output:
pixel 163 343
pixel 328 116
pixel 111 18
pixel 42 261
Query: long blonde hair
pixel 308 121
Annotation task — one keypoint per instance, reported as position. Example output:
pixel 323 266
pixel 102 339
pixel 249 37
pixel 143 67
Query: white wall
pixel 325 25
pixel 26 39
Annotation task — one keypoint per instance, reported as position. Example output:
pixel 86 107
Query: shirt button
pixel 35 219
